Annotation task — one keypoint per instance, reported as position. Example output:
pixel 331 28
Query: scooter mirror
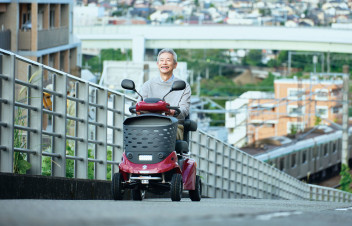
pixel 128 84
pixel 178 85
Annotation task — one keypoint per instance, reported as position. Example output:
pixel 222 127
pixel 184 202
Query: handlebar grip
pixel 133 109
pixel 177 109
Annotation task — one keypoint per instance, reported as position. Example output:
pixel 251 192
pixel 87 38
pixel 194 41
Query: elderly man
pixel 159 86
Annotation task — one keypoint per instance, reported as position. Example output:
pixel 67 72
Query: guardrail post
pixel 117 135
pixel 82 111
pixel 35 122
pixel 236 172
pixel 212 166
pixel 222 167
pixel 101 134
pixel 259 171
pixel 242 175
pixel 247 176
pixel 7 112
pixel 230 150
pixel 59 125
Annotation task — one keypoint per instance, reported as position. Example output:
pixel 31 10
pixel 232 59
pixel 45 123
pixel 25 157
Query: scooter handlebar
pixel 133 109
pixel 177 110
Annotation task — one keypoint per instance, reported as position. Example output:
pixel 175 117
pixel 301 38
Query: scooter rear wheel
pixel 116 187
pixel 196 195
pixel 176 187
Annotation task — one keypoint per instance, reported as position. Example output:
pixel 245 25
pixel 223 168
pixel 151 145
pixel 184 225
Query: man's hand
pixel 171 112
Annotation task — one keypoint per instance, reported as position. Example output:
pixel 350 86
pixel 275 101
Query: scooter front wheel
pixel 196 195
pixel 116 187
pixel 138 194
pixel 176 187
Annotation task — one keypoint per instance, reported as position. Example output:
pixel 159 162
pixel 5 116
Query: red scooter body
pixel 188 171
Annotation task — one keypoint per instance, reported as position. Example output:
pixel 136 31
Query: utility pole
pixel 344 154
pixel 289 63
pixel 198 84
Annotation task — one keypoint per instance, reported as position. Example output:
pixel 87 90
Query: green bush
pixel 70 164
pixel 20 164
pixel 346 178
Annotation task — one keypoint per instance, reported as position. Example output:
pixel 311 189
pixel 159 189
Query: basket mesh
pixel 156 137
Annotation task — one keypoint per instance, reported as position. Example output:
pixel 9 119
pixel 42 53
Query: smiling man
pixel 159 86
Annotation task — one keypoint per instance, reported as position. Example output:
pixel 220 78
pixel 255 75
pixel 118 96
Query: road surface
pixel 164 212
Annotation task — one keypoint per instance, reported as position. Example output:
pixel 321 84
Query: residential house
pixel 294 106
pixel 42 32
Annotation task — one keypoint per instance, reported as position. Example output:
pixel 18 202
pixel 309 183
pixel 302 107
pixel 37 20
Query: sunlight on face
pixel 166 63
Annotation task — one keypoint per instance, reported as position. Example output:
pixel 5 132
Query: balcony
pixel 53 37
pixel 5 39
pixel 45 39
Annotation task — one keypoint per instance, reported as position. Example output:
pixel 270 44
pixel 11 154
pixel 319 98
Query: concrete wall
pixel 15 186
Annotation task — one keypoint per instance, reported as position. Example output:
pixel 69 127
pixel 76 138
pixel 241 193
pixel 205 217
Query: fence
pixel 71 133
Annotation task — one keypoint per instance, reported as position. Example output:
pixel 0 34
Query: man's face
pixel 166 63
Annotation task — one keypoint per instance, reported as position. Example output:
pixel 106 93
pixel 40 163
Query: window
pixel 326 149
pixel 282 164
pixel 321 150
pixel 334 147
pixel 322 111
pixel 321 94
pixel 293 127
pixel 336 110
pixel 304 156
pixel 295 94
pixel 294 110
pixel 293 160
pixel 52 18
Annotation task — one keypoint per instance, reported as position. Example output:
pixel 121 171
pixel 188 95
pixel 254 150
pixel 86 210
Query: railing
pixel 83 114
pixel 228 172
pixel 73 130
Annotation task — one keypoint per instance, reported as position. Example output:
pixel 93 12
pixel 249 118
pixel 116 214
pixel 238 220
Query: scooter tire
pixel 176 187
pixel 138 194
pixel 196 195
pixel 116 187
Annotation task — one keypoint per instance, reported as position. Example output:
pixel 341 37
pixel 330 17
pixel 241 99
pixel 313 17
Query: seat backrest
pixel 189 125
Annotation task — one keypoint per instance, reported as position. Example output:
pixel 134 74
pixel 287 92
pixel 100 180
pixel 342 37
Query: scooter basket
pixel 149 134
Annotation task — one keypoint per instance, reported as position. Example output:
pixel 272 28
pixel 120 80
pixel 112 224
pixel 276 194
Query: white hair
pixel 166 50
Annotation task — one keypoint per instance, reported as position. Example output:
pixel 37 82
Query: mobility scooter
pixel 153 160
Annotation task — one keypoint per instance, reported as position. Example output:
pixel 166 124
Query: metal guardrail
pixel 228 172
pixel 78 115
pixel 81 115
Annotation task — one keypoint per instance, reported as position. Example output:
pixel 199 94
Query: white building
pixel 87 15
pixel 237 116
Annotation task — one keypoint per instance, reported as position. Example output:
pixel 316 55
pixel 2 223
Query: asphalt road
pixel 164 212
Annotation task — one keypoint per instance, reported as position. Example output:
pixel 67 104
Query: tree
pixel 346 178
pixel 254 58
pixel 96 63
pixel 206 59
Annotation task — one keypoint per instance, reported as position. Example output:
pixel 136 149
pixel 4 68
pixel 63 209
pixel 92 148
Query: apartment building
pixel 295 105
pixel 41 30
